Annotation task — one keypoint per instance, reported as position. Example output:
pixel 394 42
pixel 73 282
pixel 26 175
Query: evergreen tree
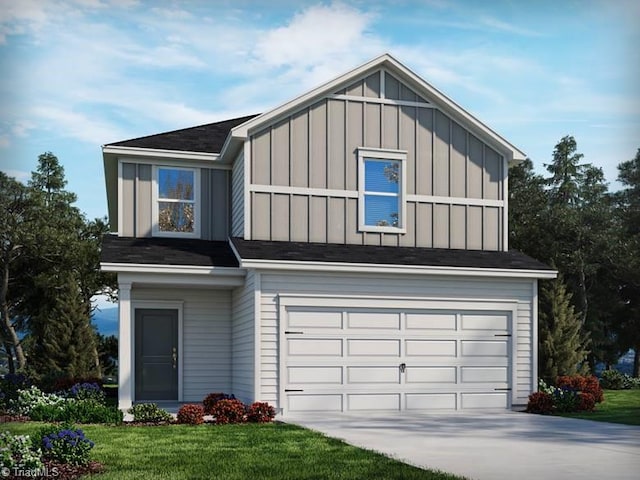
pixel 62 340
pixel 562 345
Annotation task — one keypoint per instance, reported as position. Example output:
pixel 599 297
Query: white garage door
pixel 389 359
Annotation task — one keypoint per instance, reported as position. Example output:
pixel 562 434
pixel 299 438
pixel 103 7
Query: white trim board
pixel 158 153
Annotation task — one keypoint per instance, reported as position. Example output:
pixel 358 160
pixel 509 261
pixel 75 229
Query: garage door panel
pixel 431 401
pixel 377 348
pixel 314 346
pixel 484 348
pixel 311 403
pixel 431 321
pixel 485 322
pixel 356 375
pixel 316 320
pixel 484 400
pixel 484 374
pixel 429 375
pixel 313 375
pixel 385 402
pixel 430 348
pixel 373 320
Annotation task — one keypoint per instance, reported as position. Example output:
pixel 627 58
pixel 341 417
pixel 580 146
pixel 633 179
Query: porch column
pixel 125 352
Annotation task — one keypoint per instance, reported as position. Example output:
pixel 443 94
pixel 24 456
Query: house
pixel 345 251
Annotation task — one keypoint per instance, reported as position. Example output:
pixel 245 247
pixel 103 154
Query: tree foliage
pixel 50 259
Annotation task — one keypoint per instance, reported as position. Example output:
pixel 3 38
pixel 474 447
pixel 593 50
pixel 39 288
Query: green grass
pixel 271 451
pixel 619 406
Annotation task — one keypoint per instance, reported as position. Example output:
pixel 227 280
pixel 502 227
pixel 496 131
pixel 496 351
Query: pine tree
pixel 563 346
pixel 63 340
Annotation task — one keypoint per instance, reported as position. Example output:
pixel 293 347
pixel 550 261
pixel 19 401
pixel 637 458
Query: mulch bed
pixel 60 471
pixel 13 418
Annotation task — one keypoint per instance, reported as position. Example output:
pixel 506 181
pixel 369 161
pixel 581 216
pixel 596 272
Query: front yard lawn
pixel 619 406
pixel 270 451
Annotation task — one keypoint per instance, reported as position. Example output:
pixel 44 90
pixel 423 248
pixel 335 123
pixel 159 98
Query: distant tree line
pixel 570 220
pixel 49 262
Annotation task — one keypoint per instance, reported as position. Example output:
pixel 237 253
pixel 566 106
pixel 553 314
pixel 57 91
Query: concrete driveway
pixel 492 446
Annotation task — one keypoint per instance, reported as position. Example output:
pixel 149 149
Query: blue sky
pixel 78 74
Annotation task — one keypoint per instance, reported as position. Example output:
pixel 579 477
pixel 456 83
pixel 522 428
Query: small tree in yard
pixel 563 348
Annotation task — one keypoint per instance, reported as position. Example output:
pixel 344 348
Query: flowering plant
pixel 67 445
pixel 32 397
pixel 16 452
pixel 86 391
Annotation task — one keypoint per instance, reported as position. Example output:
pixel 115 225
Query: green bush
pixel 86 391
pixel 149 413
pixel 10 386
pixel 16 452
pixel 66 444
pixel 78 411
pixel 33 397
pixel 615 380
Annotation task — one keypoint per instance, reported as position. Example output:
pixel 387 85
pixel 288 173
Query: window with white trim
pixel 381 190
pixel 175 203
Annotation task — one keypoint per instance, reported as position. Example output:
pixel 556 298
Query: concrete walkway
pixel 493 446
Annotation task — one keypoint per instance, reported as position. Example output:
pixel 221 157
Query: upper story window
pixel 175 207
pixel 381 188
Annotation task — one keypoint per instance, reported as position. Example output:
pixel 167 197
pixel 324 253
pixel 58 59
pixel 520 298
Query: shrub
pixel 86 391
pixel 615 380
pixel 213 398
pixel 540 402
pixel 229 411
pixel 66 383
pixel 31 398
pixel 586 402
pixel 191 414
pixel 16 452
pixel 66 445
pixel 79 411
pixel 565 399
pixel 578 383
pixel 10 385
pixel 149 413
pixel 260 412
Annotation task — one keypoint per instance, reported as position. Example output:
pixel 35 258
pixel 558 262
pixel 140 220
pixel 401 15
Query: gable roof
pixel 208 138
pixel 388 63
pixel 249 250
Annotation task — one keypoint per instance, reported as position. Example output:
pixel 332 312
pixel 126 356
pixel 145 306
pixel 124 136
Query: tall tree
pixel 562 345
pixel 628 268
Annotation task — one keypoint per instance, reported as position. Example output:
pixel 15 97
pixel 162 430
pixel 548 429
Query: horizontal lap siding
pixel 316 148
pixel 243 338
pixel 519 291
pixel 206 349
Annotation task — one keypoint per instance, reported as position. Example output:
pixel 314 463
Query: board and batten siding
pixel 237 196
pixel 206 337
pixel 243 338
pixel 454 180
pixel 137 198
pixel 518 291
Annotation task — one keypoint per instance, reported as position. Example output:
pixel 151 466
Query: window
pixel 381 190
pixel 176 210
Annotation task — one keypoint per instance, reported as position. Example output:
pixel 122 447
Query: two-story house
pixel 344 251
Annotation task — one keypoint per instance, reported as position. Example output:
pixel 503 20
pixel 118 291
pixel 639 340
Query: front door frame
pixel 158 305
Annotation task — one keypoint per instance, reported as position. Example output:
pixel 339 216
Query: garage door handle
pixel 289 332
pixel 292 390
pixel 502 335
pixel 502 389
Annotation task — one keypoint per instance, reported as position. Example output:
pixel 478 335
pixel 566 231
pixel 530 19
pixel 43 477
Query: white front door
pixel 357 359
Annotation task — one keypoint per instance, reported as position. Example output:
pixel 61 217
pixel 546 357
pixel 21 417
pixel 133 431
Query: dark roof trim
pixel 167 251
pixel 207 138
pixel 379 255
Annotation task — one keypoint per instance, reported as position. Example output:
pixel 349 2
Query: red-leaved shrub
pixel 586 402
pixel 213 398
pixel 589 384
pixel 540 402
pixel 229 411
pixel 191 414
pixel 260 412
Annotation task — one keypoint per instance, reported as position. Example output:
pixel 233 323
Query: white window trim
pixel 383 154
pixel 156 232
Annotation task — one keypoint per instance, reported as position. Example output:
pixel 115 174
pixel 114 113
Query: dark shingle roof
pixel 207 138
pixel 370 254
pixel 167 251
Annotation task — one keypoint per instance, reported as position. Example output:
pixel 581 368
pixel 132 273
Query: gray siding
pixel 206 335
pixel 237 197
pixel 272 285
pixel 243 339
pixel 137 198
pixel 316 148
